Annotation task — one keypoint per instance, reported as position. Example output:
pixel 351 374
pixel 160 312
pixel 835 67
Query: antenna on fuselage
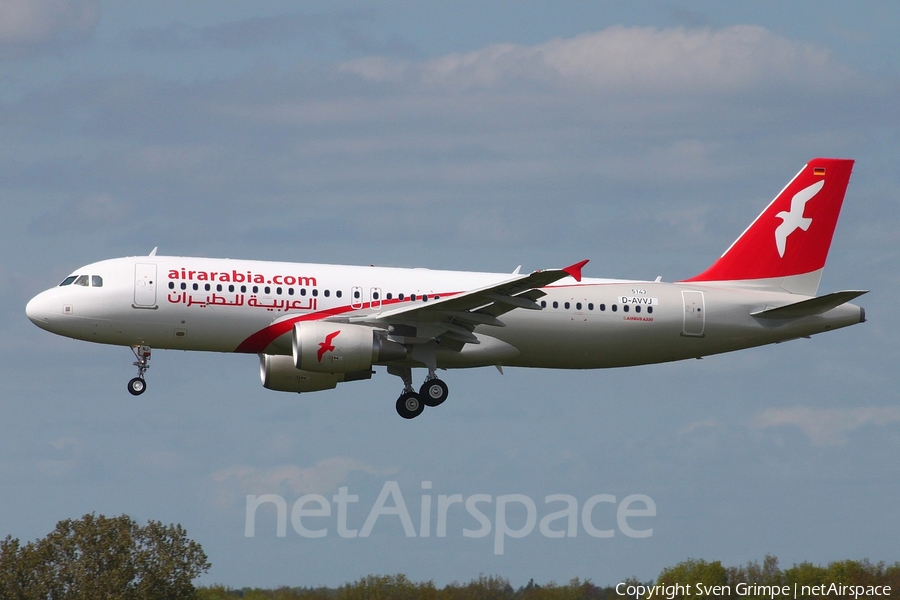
pixel 153 252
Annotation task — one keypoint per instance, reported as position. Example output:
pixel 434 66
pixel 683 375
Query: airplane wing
pixel 452 319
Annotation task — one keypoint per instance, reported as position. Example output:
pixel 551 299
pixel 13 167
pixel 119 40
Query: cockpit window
pixel 96 281
pixel 83 280
pixel 68 280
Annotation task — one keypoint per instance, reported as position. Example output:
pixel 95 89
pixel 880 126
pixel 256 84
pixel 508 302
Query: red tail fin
pixel 786 246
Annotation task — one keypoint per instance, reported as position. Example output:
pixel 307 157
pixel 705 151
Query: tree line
pixel 115 558
pixel 692 571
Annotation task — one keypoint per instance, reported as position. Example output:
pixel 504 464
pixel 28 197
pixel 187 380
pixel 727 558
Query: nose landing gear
pixel 137 385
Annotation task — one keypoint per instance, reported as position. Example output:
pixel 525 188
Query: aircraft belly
pixel 591 343
pixel 172 328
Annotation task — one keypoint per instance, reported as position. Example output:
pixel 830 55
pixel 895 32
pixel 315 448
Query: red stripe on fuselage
pixel 262 339
pixel 259 341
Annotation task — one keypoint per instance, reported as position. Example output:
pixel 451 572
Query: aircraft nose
pixel 38 310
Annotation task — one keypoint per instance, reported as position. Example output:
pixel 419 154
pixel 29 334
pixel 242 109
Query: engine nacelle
pixel 322 347
pixel 279 373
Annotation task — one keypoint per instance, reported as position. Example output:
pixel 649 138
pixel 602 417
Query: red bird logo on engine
pixel 326 346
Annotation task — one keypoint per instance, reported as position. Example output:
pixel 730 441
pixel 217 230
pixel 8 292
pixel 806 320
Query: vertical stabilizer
pixel 785 248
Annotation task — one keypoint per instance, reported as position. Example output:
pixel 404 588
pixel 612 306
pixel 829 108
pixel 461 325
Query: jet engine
pixel 279 373
pixel 323 347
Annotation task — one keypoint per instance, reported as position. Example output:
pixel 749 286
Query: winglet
pixel 575 270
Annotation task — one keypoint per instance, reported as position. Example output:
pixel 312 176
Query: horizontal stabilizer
pixel 807 308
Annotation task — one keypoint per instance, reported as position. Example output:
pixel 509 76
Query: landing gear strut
pixel 137 385
pixel 410 404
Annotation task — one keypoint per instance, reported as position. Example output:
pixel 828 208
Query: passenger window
pixel 68 280
pixel 82 280
pixel 338 293
pixel 327 293
pixel 96 281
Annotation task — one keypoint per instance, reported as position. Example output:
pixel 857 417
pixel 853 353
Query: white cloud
pixel 827 426
pixel 33 23
pixel 628 59
pixel 705 425
pixel 322 477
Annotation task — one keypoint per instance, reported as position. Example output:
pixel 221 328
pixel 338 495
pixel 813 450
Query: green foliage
pixel 218 592
pixel 848 572
pixel 399 586
pixel 692 572
pixel 386 587
pixel 102 557
pixel 483 588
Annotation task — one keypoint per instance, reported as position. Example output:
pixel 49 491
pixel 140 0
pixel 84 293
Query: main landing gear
pixel 410 404
pixel 137 385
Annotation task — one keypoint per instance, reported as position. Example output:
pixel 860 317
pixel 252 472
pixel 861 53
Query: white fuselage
pixel 225 305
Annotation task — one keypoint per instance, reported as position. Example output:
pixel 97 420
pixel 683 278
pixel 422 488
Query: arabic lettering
pixel 270 304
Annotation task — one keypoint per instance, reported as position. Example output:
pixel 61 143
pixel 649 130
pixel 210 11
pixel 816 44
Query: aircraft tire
pixel 410 405
pixel 137 386
pixel 433 392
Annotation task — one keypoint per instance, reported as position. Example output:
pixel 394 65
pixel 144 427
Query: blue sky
pixel 643 135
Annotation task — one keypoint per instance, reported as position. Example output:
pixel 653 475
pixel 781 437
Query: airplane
pixel 316 325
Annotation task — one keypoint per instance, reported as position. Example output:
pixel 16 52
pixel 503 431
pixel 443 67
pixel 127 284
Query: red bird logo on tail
pixel 326 346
